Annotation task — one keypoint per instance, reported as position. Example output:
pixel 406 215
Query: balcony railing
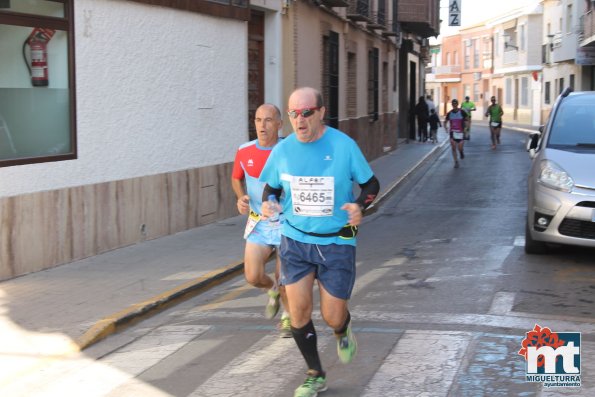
pixel 510 56
pixel 359 10
pixel 419 16
pixel 377 20
pixel 588 25
pixel 447 69
pixel 392 29
pixel 414 11
pixel 335 3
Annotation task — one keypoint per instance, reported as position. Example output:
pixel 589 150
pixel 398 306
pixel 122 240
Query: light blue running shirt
pixel 317 178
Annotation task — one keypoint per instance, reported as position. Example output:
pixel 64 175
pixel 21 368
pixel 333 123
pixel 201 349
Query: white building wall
pixel 534 37
pixel 564 42
pixel 158 90
pixel 563 28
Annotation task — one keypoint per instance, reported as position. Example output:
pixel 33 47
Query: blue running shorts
pixel 264 234
pixel 333 265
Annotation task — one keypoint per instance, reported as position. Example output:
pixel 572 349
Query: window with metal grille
pixel 524 91
pixel 373 55
pixel 351 85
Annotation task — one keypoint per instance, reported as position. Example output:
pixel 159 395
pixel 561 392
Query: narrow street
pixel 444 297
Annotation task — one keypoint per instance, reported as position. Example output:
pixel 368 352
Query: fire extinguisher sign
pixel 454 13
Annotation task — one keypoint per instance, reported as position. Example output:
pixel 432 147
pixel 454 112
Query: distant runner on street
pixel 495 114
pixel 455 123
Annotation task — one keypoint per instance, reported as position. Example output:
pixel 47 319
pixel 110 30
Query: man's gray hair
pixel 277 111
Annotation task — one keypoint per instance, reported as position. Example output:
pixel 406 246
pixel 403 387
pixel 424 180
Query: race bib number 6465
pixel 313 195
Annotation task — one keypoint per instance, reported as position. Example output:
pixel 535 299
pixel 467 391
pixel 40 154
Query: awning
pixel 509 24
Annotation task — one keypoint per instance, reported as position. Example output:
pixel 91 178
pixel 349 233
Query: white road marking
pixel 486 320
pixel 199 347
pixel 519 241
pixel 495 257
pixel 502 303
pixel 397 261
pixel 488 264
pixel 423 363
pixel 376 274
pixel 80 376
pixel 260 358
pixel 263 367
pixel 457 277
pixel 147 351
pixel 509 321
pixel 498 253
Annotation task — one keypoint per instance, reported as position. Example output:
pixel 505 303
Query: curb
pixel 139 311
pixel 134 313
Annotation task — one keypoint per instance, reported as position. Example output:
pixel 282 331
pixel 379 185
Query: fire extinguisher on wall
pixel 38 42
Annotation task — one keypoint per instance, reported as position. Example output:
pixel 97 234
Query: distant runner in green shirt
pixel 468 107
pixel 495 113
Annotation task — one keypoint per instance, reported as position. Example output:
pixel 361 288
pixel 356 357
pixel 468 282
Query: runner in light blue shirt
pixel 318 179
pixel 315 167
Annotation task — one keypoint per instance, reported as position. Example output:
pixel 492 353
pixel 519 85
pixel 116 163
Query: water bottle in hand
pixel 275 207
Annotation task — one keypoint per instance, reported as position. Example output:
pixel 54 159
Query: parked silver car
pixel 561 183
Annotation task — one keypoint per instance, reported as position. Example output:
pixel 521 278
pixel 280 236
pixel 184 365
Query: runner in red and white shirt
pixel 262 236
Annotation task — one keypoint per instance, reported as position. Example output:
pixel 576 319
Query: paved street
pixel 443 299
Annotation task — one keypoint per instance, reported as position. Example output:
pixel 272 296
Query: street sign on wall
pixel 454 13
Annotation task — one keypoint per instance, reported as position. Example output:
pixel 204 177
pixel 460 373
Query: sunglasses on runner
pixel 306 112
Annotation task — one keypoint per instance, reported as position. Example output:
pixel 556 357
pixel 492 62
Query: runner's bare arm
pixel 243 202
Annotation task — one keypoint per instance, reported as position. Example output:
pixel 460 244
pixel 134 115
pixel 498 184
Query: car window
pixel 574 123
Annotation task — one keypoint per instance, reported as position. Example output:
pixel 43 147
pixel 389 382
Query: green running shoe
pixel 346 346
pixel 272 307
pixel 311 386
pixel 285 328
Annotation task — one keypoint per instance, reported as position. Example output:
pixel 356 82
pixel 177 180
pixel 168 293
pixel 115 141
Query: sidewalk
pixel 82 302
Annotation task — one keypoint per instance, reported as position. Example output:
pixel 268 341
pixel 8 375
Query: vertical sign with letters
pixel 454 13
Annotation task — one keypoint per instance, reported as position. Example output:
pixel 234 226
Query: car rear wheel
pixel 533 246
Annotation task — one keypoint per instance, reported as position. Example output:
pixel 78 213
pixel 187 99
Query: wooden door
pixel 255 67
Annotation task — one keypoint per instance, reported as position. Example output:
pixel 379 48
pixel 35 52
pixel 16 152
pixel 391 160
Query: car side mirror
pixel 541 127
pixel 533 142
